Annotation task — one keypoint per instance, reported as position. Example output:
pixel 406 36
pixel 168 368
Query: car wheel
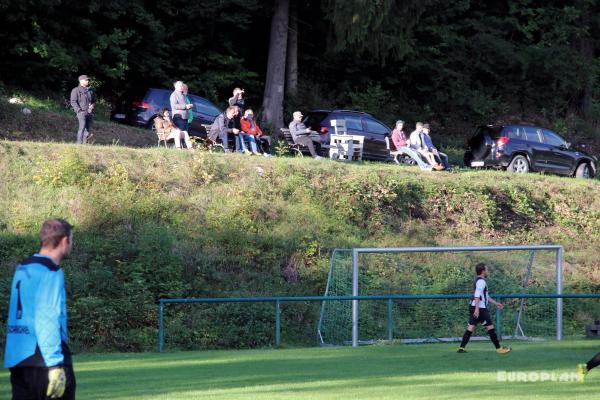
pixel 519 164
pixel 583 171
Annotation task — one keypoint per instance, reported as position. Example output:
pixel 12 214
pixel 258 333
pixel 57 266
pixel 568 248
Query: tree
pixel 275 79
pixel 291 81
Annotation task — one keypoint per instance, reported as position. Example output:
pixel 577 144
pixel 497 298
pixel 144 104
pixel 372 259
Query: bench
pixel 592 331
pixel 293 147
pixel 211 145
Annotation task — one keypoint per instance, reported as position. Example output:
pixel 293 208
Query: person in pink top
pixel 402 145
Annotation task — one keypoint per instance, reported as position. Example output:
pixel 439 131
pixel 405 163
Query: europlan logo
pixel 537 376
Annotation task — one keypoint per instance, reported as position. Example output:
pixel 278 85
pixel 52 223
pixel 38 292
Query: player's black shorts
pixel 484 317
pixel 32 383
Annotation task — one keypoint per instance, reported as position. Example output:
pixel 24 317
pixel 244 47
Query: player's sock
pixel 594 362
pixel 494 337
pixel 465 339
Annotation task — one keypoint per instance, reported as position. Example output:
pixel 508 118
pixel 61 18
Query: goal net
pixel 443 271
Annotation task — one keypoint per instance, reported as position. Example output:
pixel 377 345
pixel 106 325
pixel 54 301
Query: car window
pixel 553 139
pixel 158 98
pixel 204 106
pixel 314 120
pixel 376 127
pixel 353 123
pixel 515 133
pixel 533 134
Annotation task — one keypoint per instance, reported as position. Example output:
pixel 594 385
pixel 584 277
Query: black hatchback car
pixel 357 123
pixel 522 148
pixel 139 109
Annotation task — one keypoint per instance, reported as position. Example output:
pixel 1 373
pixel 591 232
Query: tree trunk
pixel 586 49
pixel 291 82
pixel 275 82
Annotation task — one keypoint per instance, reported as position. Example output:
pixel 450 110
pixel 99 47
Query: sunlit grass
pixel 375 372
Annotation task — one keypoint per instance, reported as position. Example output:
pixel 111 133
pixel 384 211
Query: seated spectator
pixel 440 157
pixel 250 128
pixel 164 125
pixel 402 145
pixel 221 128
pixel 417 143
pixel 302 135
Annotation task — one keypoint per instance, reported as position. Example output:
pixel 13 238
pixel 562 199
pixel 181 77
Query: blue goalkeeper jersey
pixel 37 317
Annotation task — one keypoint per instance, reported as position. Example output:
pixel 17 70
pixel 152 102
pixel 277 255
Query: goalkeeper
pixel 36 341
pixel 478 312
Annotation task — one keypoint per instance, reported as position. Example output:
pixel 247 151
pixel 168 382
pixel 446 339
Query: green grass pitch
pixel 425 371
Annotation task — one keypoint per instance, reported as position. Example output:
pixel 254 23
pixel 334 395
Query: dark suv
pixel 139 109
pixel 357 123
pixel 521 148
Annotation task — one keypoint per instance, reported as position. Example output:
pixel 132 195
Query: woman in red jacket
pixel 250 127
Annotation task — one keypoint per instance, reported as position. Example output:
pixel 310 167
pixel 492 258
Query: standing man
pixel 188 101
pixel 180 107
pixel 303 135
pixel 83 101
pixel 478 312
pixel 36 341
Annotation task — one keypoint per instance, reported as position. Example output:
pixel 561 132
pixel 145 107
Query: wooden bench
pixel 212 145
pixel 592 331
pixel 293 147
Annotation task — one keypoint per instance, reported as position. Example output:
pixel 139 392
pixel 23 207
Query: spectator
pixel 250 127
pixel 187 100
pixel 220 128
pixel 83 101
pixel 301 134
pixel 440 157
pixel 417 143
pixel 238 100
pixel 180 107
pixel 164 126
pixel 402 145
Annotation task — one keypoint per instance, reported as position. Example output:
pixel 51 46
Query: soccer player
pixel 583 369
pixel 36 340
pixel 478 312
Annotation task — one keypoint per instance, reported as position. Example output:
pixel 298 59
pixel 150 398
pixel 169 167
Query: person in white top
pixel 418 143
pixel 479 314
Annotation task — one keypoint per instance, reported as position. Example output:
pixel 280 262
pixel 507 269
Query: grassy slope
pixel 160 223
pixel 49 122
pixel 374 372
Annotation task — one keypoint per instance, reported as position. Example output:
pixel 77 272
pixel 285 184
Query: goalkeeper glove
pixel 57 381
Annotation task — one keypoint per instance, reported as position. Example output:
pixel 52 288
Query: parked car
pixel 522 148
pixel 357 123
pixel 140 108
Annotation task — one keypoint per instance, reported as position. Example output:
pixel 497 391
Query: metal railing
pixel 390 299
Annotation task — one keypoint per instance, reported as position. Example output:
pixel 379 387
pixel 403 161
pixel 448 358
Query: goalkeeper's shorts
pixel 32 382
pixel 484 317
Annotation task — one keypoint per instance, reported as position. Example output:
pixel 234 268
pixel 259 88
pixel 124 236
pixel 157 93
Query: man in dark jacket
pixel 83 101
pixel 238 100
pixel 220 128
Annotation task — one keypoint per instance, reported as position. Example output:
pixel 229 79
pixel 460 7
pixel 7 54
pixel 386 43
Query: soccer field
pixel 426 371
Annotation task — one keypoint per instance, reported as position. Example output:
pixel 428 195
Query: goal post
pixel 345 278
